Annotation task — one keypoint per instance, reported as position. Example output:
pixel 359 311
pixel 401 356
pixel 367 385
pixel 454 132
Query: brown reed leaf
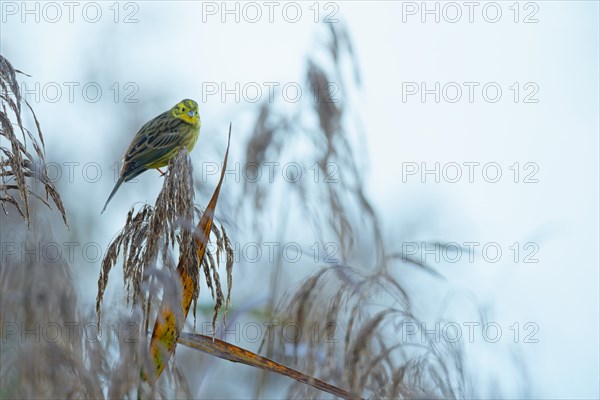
pixel 230 352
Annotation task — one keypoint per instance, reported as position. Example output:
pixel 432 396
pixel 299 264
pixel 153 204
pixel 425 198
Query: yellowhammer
pixel 160 139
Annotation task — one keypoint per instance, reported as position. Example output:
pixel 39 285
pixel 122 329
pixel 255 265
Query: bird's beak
pixel 191 113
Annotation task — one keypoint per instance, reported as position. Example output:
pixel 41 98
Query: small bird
pixel 158 140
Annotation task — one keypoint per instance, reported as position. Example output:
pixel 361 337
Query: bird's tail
pixel 119 182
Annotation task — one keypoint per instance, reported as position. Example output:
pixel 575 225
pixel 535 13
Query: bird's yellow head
pixel 187 111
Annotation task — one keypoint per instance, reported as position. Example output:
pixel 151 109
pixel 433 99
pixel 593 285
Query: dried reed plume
pixel 149 238
pixel 276 133
pixel 348 329
pixel 16 162
pixel 50 348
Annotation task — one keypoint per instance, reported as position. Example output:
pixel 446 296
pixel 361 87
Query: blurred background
pixel 470 125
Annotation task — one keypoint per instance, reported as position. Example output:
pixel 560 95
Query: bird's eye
pixel 182 109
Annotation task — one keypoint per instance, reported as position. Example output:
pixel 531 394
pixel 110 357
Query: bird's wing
pixel 165 140
pixel 151 146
